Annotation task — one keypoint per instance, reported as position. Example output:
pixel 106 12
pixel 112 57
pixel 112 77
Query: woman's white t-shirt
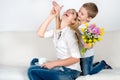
pixel 66 44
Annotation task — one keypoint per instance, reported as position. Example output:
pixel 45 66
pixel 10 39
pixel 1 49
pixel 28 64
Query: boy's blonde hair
pixel 91 9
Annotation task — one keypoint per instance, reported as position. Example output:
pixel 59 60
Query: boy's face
pixel 83 15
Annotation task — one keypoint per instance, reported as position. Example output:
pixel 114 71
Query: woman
pixel 66 67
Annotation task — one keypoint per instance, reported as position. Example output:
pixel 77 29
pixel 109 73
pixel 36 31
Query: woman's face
pixel 69 16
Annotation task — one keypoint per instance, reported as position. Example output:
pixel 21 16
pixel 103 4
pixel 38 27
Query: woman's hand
pixel 52 12
pixel 48 65
pixel 62 62
pixel 57 7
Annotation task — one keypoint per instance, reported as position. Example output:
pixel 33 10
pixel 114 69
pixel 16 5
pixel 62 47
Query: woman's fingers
pixel 57 7
pixel 55 4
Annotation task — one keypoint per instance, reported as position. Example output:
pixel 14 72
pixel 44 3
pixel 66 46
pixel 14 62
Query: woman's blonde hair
pixel 74 26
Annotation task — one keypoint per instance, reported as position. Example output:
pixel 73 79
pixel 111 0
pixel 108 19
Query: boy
pixel 86 13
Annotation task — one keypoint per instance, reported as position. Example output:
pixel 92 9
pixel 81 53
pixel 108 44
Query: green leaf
pixel 83 50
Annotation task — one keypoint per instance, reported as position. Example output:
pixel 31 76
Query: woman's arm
pixel 58 21
pixel 44 25
pixel 63 62
pixel 57 8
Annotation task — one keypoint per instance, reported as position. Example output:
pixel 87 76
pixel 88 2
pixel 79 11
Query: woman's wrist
pixel 51 16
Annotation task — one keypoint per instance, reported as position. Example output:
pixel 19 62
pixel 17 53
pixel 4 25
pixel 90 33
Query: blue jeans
pixel 58 73
pixel 88 67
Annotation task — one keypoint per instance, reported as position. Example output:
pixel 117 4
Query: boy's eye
pixel 82 14
pixel 75 19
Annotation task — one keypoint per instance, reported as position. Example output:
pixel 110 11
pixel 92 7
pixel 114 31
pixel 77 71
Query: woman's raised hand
pixel 57 7
pixel 53 12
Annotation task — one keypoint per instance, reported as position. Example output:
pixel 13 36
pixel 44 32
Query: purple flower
pixel 93 29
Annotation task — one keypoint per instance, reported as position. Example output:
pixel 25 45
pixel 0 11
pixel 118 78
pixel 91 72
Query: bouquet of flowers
pixel 90 35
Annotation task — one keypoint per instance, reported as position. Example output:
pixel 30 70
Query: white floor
pixel 20 73
pixel 13 73
pixel 103 75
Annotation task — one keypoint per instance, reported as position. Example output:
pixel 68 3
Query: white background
pixel 27 15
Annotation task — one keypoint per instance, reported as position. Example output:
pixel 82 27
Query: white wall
pixel 26 15
pixel 18 48
pixel 109 48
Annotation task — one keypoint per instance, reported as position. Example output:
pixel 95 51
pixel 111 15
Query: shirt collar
pixel 64 29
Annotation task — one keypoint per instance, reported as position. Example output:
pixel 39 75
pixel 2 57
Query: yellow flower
pixel 82 29
pixel 90 40
pixel 90 44
pixel 99 39
pixel 83 36
pixel 86 24
pixel 85 40
pixel 94 40
pixel 102 28
pixel 102 31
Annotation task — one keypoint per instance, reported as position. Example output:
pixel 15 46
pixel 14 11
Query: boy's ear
pixel 89 18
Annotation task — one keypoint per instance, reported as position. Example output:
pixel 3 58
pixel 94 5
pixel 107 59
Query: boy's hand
pixel 86 46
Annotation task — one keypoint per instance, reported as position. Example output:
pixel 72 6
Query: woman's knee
pixel 34 61
pixel 32 68
pixel 29 70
